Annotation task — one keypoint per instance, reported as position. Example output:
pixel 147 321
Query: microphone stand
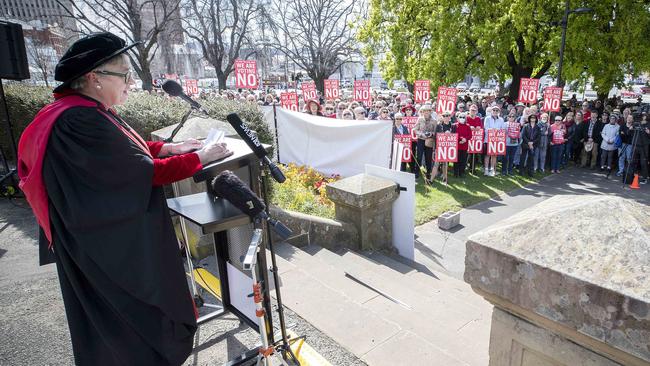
pixel 180 125
pixel 285 347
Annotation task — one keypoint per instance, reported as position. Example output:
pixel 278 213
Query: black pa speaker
pixel 13 56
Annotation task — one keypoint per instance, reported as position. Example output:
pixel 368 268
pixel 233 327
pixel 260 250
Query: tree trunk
pixel 411 87
pixel 518 72
pixel 223 78
pixel 147 80
pixel 319 80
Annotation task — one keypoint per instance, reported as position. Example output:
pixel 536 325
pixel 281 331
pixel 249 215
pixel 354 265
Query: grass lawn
pixel 433 200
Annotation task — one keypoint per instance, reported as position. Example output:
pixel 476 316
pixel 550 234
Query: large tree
pixel 138 20
pixel 505 39
pixel 222 28
pixel 315 34
pixel 610 44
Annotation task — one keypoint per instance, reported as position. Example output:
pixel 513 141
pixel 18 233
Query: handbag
pixel 428 142
pixel 618 142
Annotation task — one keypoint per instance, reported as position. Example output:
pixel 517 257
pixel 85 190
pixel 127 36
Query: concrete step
pixel 429 281
pixel 432 326
pixel 329 275
pixel 330 310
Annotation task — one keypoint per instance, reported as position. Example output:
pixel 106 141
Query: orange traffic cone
pixel 635 182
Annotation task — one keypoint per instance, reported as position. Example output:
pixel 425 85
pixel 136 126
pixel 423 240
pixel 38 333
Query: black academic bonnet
pixel 86 54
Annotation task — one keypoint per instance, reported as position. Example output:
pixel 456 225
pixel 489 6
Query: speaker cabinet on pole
pixel 13 56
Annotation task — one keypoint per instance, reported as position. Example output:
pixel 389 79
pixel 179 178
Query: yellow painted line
pixel 306 355
pixel 208 281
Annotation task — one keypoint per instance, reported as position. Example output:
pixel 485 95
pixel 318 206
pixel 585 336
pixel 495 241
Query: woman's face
pixel 409 112
pixel 114 89
pixel 544 118
pixel 348 115
pixel 629 119
pixel 313 108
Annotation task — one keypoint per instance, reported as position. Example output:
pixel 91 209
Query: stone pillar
pixel 366 202
pixel 570 282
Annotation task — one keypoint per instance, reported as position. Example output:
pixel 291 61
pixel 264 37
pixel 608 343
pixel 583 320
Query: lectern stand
pixel 232 231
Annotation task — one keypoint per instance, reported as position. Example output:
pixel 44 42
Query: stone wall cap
pixel 362 190
pixel 602 240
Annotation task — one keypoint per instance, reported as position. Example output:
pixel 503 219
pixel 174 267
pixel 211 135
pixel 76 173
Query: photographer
pixel 641 131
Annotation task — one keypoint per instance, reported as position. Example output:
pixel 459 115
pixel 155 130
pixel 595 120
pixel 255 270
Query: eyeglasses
pixel 329 109
pixel 384 111
pixel 125 75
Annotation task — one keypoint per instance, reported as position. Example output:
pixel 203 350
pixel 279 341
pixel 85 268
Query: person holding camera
pixel 425 130
pixel 640 149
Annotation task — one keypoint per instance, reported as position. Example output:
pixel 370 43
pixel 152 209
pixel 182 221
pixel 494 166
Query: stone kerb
pixel 366 202
pixel 575 266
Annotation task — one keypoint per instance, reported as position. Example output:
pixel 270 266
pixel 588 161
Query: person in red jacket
pixel 464 135
pixel 95 187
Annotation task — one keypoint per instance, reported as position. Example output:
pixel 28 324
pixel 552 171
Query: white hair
pixel 80 82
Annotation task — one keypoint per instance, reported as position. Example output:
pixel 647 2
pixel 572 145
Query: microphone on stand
pixel 229 187
pixel 176 90
pixel 254 143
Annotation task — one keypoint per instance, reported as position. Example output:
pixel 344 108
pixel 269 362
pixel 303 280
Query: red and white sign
pixel 446 101
pixel 362 91
pixel 407 153
pixel 513 130
pixel 552 99
pixel 446 147
pixel 528 90
pixel 191 87
pixel 558 136
pixel 332 90
pixel 308 90
pixel 246 74
pixel 422 91
pixel 475 144
pixel 289 101
pixel 410 122
pixel 496 141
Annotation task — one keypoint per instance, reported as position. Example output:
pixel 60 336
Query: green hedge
pixel 144 112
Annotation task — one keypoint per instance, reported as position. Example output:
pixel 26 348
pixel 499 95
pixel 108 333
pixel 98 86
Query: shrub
pixel 304 191
pixel 144 112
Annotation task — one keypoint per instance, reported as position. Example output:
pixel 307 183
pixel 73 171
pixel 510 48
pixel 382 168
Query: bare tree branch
pixel 127 18
pixel 314 34
pixel 221 27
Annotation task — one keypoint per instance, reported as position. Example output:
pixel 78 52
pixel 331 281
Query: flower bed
pixel 304 191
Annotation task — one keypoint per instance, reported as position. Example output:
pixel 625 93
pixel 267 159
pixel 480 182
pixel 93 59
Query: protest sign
pixel 362 91
pixel 446 147
pixel 308 90
pixel 496 142
pixel 552 99
pixel 558 136
pixel 422 91
pixel 446 101
pixel 475 144
pixel 191 87
pixel 246 74
pixel 332 89
pixel 528 90
pixel 407 153
pixel 513 130
pixel 289 101
pixel 410 122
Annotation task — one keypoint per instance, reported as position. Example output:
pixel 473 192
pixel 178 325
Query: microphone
pixel 254 143
pixel 229 187
pixel 176 90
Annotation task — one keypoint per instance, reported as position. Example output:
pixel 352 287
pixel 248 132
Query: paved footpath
pixel 444 251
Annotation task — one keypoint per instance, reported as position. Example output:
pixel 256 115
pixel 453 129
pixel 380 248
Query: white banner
pixel 332 146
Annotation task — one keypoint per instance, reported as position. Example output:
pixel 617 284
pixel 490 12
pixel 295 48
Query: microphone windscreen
pixel 172 88
pixel 229 187
pixel 249 137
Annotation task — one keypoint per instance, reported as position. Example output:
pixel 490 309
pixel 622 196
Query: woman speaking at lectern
pixel 95 187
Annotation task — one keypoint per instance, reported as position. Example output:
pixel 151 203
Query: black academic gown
pixel 122 278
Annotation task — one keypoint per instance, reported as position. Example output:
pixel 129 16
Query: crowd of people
pixel 609 137
pixel 599 135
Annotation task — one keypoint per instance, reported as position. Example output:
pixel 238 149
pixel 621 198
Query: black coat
pixel 529 134
pixel 123 283
pixel 584 132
